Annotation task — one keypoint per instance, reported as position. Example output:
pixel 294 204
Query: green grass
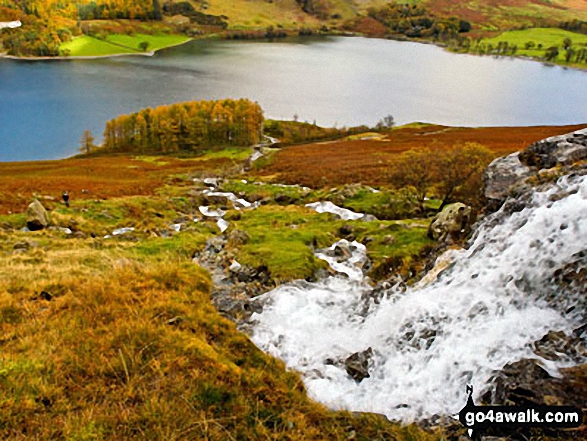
pixel 114 44
pixel 281 238
pixel 156 42
pixel 86 46
pixel 548 37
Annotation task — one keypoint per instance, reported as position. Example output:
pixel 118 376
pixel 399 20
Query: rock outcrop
pixel 36 216
pixel 510 175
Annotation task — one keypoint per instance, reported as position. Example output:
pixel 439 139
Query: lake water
pixel 46 106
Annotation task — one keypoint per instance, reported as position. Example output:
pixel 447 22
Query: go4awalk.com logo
pixel 477 418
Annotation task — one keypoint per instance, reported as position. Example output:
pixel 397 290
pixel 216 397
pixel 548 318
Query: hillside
pixel 106 28
pixel 114 318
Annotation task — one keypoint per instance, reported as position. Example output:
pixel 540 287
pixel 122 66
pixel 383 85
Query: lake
pixel 46 106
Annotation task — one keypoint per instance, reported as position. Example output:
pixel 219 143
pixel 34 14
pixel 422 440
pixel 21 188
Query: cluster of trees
pixel 116 9
pixel 49 23
pixel 185 127
pixel 416 21
pixel 574 26
pixel 505 48
pixel 444 172
pixel 295 132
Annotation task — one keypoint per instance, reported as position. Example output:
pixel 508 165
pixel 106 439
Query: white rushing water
pixel 428 343
pixel 329 207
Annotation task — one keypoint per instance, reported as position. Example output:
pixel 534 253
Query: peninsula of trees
pixel 185 127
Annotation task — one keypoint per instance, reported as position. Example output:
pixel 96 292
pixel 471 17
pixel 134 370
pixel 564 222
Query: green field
pixel 86 46
pixel 547 37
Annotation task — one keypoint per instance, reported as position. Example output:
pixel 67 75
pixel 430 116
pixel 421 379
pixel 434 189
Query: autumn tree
pixel 386 123
pixel 186 127
pixel 458 165
pixel 418 170
pixel 87 142
pixel 446 171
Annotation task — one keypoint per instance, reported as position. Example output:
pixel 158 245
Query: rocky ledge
pixel 541 162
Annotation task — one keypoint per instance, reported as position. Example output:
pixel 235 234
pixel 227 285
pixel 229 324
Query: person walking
pixel 65 197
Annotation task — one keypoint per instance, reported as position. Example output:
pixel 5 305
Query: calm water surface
pixel 46 106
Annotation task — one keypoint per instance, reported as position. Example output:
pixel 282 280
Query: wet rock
pixel 284 199
pixel 341 250
pixel 563 149
pixel 358 364
pixel 215 199
pixel 556 345
pixel 215 245
pixel 510 175
pixel 443 263
pixel 453 222
pixel 502 175
pixel 368 218
pixel 36 216
pixel 247 274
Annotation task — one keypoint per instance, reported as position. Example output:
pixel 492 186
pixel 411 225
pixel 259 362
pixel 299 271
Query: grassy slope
pixel 260 13
pixel 494 15
pixel 85 45
pixel 129 346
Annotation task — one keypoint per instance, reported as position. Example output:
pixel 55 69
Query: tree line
pixel 567 51
pixel 414 21
pixel 184 127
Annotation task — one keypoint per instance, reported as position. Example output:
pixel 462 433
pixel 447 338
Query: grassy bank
pixel 537 43
pixel 113 44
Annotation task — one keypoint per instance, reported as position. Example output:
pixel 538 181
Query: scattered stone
pixel 454 221
pixel 121 231
pixel 22 246
pixel 44 295
pixel 368 218
pixel 175 321
pixel 284 199
pixel 345 230
pixel 237 238
pixel 79 235
pixel 388 240
pixel 357 365
pixel 37 217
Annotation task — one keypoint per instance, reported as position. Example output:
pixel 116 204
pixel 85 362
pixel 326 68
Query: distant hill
pixel 49 24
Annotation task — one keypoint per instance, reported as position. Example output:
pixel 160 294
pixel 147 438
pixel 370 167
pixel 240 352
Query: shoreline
pixel 93 57
pixel 333 34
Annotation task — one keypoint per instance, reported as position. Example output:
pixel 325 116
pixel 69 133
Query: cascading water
pixel 428 343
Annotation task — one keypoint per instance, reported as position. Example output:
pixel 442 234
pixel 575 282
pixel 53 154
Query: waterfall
pixel 429 342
